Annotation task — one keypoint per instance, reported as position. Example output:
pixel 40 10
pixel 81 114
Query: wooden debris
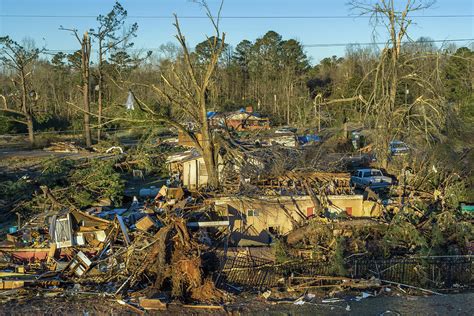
pixel 145 223
pixel 131 307
pixel 152 304
pixel 214 307
pixel 64 147
pixel 11 284
pixel 124 230
pixel 412 287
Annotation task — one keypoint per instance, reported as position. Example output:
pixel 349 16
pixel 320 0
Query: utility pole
pixel 274 103
pixel 85 67
pixel 406 104
pixel 317 109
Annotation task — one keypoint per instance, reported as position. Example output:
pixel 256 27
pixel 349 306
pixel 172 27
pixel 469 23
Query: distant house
pixel 242 120
pixel 287 140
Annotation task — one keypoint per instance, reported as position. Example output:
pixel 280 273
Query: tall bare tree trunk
pixel 86 53
pixel 195 104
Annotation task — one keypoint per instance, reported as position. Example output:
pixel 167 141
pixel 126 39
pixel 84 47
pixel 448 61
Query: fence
pixel 429 272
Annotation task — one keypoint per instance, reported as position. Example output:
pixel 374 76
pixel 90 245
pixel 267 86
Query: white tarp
pixel 130 105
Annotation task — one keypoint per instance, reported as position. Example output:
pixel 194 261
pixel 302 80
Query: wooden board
pixel 152 303
pixel 145 223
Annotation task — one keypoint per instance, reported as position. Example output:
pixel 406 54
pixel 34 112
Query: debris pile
pixel 285 220
pixel 129 254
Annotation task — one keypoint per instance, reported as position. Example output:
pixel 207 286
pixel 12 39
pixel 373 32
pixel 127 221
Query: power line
pixel 196 17
pixel 304 45
pixel 381 43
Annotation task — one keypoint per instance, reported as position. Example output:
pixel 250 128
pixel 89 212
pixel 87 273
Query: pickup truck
pixel 372 178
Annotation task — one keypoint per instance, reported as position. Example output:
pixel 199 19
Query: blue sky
pixel 154 32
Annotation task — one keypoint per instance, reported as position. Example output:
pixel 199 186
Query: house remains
pixel 189 169
pixel 254 221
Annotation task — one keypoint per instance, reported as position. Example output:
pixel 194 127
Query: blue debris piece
pixel 309 138
pixel 211 114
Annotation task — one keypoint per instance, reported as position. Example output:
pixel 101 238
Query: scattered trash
pixel 362 296
pixel 114 148
pixel 389 312
pixel 266 294
pixel 299 301
pixel 332 300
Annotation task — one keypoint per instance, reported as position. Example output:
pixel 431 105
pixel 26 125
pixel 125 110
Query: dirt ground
pixel 452 304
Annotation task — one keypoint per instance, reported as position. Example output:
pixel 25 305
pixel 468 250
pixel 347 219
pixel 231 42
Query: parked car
pixel 398 148
pixel 372 178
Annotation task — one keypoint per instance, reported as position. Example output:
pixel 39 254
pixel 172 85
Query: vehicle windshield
pixel 372 173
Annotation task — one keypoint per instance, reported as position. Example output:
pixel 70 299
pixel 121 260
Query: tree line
pixel 404 87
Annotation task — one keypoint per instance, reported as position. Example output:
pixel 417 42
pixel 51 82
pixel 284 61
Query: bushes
pixel 281 251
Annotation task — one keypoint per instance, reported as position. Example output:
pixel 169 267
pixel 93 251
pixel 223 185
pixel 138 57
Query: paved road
pixel 452 305
pixel 35 153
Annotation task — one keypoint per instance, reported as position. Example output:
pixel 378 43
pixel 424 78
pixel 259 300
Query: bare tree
pixel 85 43
pixel 20 59
pixel 389 112
pixel 185 88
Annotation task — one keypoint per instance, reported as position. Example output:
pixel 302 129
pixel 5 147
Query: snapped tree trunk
pixel 31 132
pixel 27 110
pixel 208 149
pixel 211 165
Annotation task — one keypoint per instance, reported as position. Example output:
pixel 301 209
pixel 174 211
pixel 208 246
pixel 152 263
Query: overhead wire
pixel 304 45
pixel 250 17
pixel 53 16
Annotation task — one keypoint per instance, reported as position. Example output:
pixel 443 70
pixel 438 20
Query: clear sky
pixel 154 32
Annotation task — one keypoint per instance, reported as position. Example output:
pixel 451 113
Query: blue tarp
pixel 211 114
pixel 308 138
